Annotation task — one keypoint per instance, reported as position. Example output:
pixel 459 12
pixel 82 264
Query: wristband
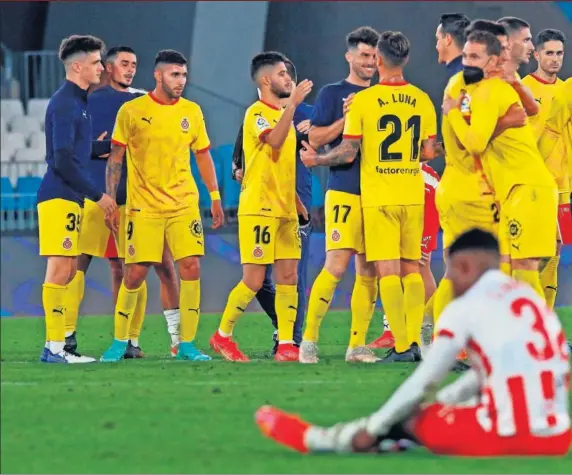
pixel 215 195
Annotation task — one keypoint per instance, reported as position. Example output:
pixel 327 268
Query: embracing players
pixel 157 130
pixel 395 125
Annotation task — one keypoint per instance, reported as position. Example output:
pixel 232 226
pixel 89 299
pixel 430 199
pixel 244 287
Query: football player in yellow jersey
pixel 523 185
pixel 267 212
pixel 395 125
pixel 555 146
pixel 157 130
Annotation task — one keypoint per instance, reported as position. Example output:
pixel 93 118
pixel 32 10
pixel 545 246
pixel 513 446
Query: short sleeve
pixel 256 123
pixel 323 113
pixel 429 120
pixel 202 142
pixel 120 134
pixel 353 128
pixel 454 322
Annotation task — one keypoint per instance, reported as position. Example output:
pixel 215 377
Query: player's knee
pixel 166 271
pixel 116 269
pixel 287 277
pixel 134 276
pixel 83 262
pixel 190 268
pixel 409 267
pixel 526 264
pixel 336 265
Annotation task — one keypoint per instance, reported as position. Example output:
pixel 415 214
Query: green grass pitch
pixel 159 415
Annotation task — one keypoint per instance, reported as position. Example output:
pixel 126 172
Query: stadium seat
pixel 7 153
pixel 13 140
pixel 8 204
pixel 37 140
pixel 204 198
pixel 25 125
pixel 317 193
pixel 37 108
pixel 230 187
pixel 3 124
pixel 29 155
pixel 11 108
pixel 27 188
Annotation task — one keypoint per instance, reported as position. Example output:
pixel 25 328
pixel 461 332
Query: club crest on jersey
pixel 185 124
pixel 514 229
pixel 131 250
pixel 336 236
pixel 262 123
pixel 196 228
pixel 258 253
pixel 466 105
pixel 67 244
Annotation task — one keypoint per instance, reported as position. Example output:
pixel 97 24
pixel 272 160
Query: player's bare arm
pixel 112 178
pixel 344 153
pixel 514 118
pixel 301 209
pixel 320 136
pixel 208 175
pixel 527 98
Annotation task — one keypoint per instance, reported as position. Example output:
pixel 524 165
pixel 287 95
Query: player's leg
pixel 257 236
pixel 74 297
pixel 58 222
pixel 549 276
pixel 363 300
pixel 266 296
pixel 144 241
pixel 305 235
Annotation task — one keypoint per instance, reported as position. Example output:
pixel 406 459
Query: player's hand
pixel 112 222
pixel 99 139
pixel 107 204
pixel 239 175
pixel 348 102
pixel 308 155
pixel 514 117
pixel 300 92
pixel 304 126
pixel 218 214
pixel 302 211
pixel 362 441
pixel 449 103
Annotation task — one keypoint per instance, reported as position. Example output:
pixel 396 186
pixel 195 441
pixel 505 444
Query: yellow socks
pixel 138 315
pixel 238 300
pixel 74 296
pixel 124 310
pixel 53 299
pixel 414 305
pixel 393 300
pixel 443 297
pixel 531 277
pixel 190 307
pixel 286 309
pixel 364 296
pixel 549 280
pixel 505 267
pixel 320 298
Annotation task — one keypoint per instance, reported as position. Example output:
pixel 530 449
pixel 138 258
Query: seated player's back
pixel 526 378
pixel 269 183
pixel 159 138
pixel 512 157
pixel 68 97
pixel 395 119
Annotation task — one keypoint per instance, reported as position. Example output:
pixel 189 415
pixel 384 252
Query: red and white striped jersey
pixel 431 179
pixel 519 349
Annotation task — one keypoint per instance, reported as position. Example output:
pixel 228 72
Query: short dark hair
pixel 113 52
pixel 291 69
pixel 513 24
pixel 486 25
pixel 394 47
pixel 170 56
pixel 549 35
pixel 79 44
pixel 268 58
pixel 486 38
pixel 454 24
pixel 475 240
pixel 364 34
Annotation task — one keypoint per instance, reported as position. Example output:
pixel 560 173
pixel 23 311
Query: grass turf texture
pixel 159 415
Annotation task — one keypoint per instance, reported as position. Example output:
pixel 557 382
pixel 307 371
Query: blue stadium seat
pixel 317 193
pixel 230 187
pixel 8 204
pixel 28 187
pixel 204 198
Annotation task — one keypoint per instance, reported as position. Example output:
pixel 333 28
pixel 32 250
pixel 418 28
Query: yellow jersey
pixel 462 179
pixel 158 137
pixel 392 120
pixel 269 182
pixel 510 159
pixel 543 93
pixel 555 143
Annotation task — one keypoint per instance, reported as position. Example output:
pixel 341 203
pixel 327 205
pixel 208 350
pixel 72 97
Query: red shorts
pixel 111 250
pixel 565 223
pixel 455 431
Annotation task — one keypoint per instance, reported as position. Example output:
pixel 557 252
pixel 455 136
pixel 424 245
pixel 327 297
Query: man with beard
pixel 95 238
pixel 343 216
pixel 268 208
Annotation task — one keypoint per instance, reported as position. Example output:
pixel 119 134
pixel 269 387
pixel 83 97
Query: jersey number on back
pixel 394 122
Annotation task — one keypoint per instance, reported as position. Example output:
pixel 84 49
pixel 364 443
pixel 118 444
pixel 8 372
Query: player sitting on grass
pixel 521 376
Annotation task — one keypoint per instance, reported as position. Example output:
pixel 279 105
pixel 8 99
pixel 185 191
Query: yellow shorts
pixel 529 222
pixel 145 237
pixel 265 239
pixel 344 221
pixel 94 234
pixel 59 224
pixel 457 217
pixel 393 232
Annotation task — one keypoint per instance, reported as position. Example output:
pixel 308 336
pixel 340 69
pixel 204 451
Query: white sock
pixel 68 333
pixel 286 342
pixel 223 334
pixel 56 347
pixel 135 342
pixel 173 318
